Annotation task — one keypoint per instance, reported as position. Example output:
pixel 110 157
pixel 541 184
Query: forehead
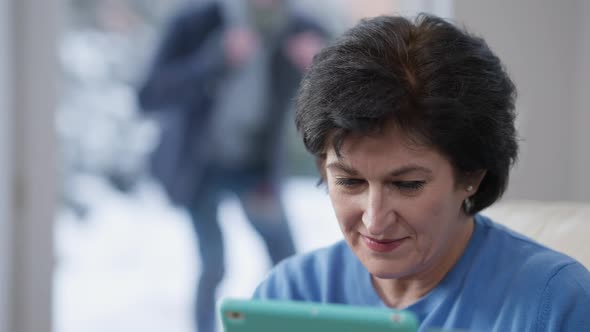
pixel 387 150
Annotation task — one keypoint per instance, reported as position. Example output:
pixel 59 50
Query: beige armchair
pixel 562 226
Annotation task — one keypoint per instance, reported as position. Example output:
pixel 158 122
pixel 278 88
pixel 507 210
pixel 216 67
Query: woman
pixel 412 125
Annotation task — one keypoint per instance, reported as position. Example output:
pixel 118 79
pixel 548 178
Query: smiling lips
pixel 382 245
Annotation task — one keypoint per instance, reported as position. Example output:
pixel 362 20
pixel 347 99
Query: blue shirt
pixel 502 282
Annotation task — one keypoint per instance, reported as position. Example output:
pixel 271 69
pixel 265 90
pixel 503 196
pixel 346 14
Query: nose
pixel 378 215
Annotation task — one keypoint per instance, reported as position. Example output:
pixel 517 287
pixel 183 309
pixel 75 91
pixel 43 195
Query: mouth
pixel 382 245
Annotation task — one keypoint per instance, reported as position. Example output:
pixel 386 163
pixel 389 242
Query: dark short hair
pixel 442 85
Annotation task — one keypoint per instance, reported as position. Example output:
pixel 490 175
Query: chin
pixel 385 273
pixel 384 269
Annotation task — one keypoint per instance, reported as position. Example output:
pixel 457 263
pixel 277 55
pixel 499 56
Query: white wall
pixel 546 54
pixel 28 32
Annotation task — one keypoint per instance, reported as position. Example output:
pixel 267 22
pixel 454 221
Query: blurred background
pixel 90 240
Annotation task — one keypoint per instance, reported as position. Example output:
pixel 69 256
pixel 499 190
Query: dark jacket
pixel 180 89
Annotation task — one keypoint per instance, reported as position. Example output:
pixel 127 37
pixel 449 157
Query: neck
pixel 402 292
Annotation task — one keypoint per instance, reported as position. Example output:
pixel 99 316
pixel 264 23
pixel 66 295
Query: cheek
pixel 346 211
pixel 435 220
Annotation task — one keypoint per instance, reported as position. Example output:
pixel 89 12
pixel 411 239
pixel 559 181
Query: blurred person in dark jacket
pixel 220 86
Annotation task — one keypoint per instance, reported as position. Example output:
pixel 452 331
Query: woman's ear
pixel 473 180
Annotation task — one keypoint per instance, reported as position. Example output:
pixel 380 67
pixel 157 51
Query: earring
pixel 470 188
pixel 467 205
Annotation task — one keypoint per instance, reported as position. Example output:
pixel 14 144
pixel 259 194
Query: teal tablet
pixel 284 316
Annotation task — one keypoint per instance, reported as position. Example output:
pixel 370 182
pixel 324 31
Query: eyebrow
pixel 340 166
pixel 409 169
pixel 397 172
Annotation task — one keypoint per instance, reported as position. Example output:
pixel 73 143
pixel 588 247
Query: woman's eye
pixel 409 185
pixel 348 182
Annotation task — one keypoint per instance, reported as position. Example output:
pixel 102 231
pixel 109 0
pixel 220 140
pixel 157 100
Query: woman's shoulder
pixel 523 283
pixel 304 276
pixel 529 265
pixel 513 247
pixel 565 300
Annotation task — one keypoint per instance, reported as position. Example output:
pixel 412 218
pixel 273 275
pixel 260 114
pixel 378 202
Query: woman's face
pixel 397 203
